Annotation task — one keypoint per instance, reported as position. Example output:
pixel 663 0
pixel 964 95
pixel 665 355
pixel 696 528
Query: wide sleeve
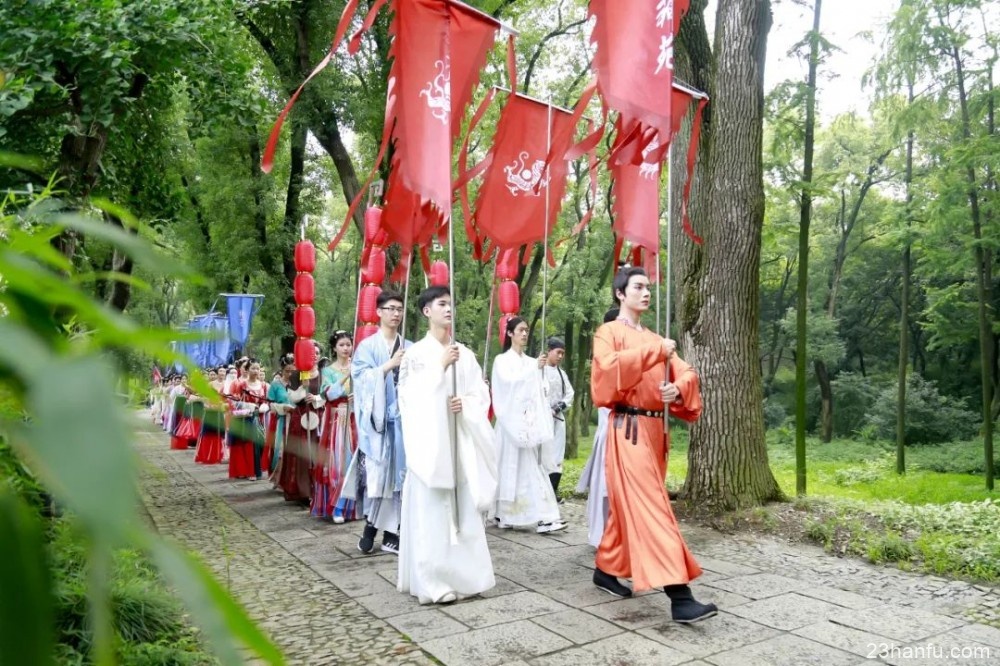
pixel 423 405
pixel 333 388
pixel 369 391
pixel 614 372
pixel 686 379
pixel 570 393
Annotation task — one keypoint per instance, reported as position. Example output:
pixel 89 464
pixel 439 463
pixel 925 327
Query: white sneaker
pixel 338 520
pixel 504 526
pixel 550 527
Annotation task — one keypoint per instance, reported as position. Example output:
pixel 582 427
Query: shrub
pixel 930 417
pixel 774 413
pixel 853 395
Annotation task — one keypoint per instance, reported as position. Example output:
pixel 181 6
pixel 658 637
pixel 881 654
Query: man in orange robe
pixel 630 375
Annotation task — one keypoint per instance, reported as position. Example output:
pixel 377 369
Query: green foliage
pixel 53 365
pixel 930 417
pixel 855 395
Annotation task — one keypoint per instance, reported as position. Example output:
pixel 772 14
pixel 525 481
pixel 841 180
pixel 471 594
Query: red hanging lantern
pixel 373 224
pixel 305 321
pixel 374 271
pixel 439 276
pixel 305 289
pixel 367 304
pixel 365 331
pixel 305 355
pixel 510 297
pixel 507 265
pixel 305 256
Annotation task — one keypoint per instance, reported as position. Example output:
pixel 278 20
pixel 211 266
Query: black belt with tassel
pixel 631 416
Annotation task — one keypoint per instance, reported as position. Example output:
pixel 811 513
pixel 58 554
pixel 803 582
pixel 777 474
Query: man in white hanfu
pixel 382 463
pixel 442 559
pixel 560 400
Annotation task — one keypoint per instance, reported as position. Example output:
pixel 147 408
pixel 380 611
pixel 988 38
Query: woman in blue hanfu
pixel 338 441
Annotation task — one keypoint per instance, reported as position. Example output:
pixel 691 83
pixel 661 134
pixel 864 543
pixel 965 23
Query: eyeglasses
pixel 395 309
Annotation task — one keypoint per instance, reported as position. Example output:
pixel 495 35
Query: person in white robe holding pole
pixel 442 560
pixel 560 395
pixel 523 426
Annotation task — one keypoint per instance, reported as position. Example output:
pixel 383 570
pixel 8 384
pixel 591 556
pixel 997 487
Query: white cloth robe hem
pixel 594 483
pixel 435 559
pixel 560 390
pixel 524 492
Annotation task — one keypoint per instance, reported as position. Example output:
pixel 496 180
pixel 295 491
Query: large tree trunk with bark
pixel 718 282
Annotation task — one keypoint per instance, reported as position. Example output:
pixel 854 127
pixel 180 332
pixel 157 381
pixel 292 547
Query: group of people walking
pixel 399 434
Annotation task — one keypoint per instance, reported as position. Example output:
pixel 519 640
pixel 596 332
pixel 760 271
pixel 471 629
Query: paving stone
pixel 479 613
pixel 839 597
pixel 324 602
pixel 577 626
pixel 783 650
pixel 634 613
pixel 902 624
pixel 497 645
pixel 425 625
pixel 620 650
pixel 947 648
pixel 725 568
pixel 760 586
pixel 722 632
pixel 980 633
pixel 859 642
pixel 721 598
pixel 787 611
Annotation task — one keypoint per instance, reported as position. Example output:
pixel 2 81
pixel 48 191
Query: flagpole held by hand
pixel 452 416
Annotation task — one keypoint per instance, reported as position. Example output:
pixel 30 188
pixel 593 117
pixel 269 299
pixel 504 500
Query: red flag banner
pixel 636 200
pixel 510 210
pixel 439 48
pixel 635 66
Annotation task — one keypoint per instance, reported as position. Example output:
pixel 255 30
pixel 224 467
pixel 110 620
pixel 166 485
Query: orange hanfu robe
pixel 641 539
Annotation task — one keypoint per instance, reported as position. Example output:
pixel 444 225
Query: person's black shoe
pixel 683 607
pixel 390 543
pixel 367 542
pixel 610 584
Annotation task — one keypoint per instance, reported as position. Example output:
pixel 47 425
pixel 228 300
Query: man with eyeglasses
pixel 374 374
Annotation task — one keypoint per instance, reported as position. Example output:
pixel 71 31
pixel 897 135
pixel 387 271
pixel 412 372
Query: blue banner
pixel 241 309
pixel 199 349
pixel 221 344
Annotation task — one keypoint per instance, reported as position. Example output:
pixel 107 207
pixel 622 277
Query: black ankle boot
pixel 554 478
pixel 367 542
pixel 610 584
pixel 683 607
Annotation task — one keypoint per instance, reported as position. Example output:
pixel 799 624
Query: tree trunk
pixel 826 401
pixel 805 212
pixel 904 307
pixel 728 458
pixel 984 281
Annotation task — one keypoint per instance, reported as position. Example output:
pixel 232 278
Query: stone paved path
pixel 325 603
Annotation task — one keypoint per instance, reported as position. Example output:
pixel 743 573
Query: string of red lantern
pixel 509 293
pixel 304 319
pixel 372 274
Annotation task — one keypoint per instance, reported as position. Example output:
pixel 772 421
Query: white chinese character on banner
pixel 665 60
pixel 665 13
pixel 650 170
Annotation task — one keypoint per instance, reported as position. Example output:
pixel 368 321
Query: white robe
pixel 594 482
pixel 524 493
pixel 560 391
pixel 435 559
